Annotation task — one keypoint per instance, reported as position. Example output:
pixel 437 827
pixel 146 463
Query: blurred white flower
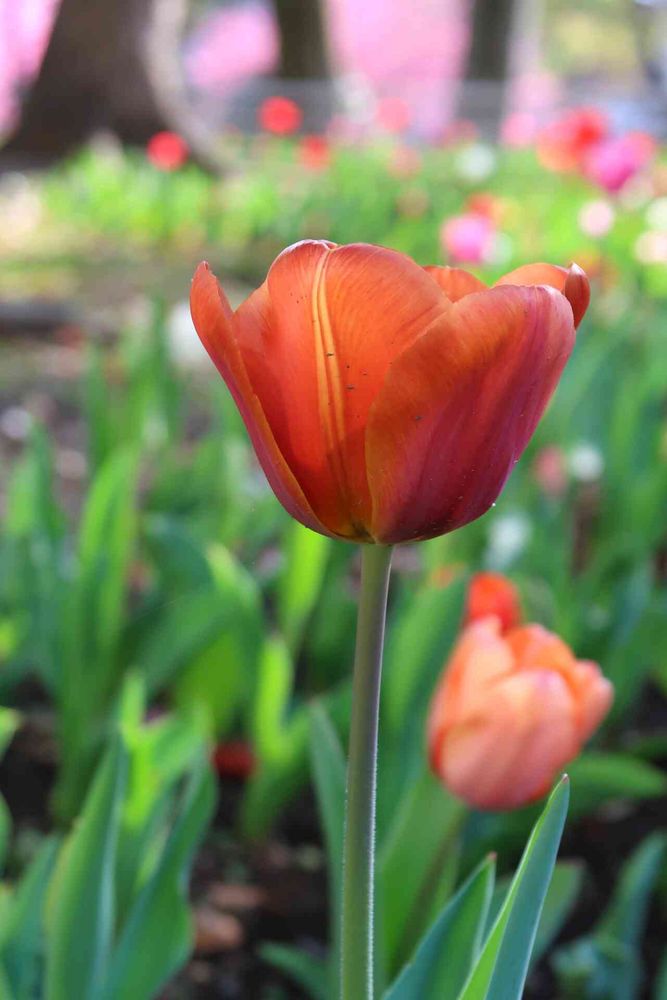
pixel 636 193
pixel 656 214
pixel 500 251
pixel 20 209
pixel 586 462
pixel 508 537
pixel 476 163
pixel 651 247
pixel 596 218
pixel 184 344
pixel 15 423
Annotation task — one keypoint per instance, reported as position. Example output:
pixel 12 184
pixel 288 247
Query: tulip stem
pixel 359 846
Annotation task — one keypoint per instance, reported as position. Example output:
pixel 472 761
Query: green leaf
pixel 501 969
pixel 442 962
pixel 660 992
pixel 305 554
pixel 417 865
pixel 561 896
pixel 329 776
pixel 626 915
pixel 279 733
pixel 419 637
pixel 93 623
pixel 560 899
pixel 597 777
pixel 157 935
pixel 80 904
pixel 21 936
pixel 308 972
pixel 607 963
pixel 9 723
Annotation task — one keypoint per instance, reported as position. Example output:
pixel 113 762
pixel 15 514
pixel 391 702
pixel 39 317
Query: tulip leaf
pixel 560 898
pixel 442 960
pixel 329 775
pixel 157 934
pixel 608 962
pixel 308 972
pixel 21 936
pixel 279 733
pixel 598 777
pixel 80 904
pixel 417 862
pixel 500 971
pixel 305 554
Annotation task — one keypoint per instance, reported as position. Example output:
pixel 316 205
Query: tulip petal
pixel 214 322
pixel 459 406
pixel 571 281
pixel 338 318
pixel 510 755
pixel 594 695
pixel 455 282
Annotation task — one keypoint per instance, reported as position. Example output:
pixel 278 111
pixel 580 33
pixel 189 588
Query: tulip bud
pixel 510 712
pixel 493 594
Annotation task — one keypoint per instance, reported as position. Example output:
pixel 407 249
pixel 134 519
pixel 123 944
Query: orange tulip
pixel 493 594
pixel 386 401
pixel 510 712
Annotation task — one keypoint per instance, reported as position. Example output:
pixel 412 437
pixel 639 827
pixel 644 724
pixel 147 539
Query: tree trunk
pixel 484 85
pixel 109 64
pixel 303 46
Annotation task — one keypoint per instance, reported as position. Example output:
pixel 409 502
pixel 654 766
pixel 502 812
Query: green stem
pixel 359 848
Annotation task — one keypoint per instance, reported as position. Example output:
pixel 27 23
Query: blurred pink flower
pixel 25 26
pixel 550 470
pixel 612 163
pixel 468 239
pixel 519 129
pixel 393 114
pixel 460 131
pixel 596 218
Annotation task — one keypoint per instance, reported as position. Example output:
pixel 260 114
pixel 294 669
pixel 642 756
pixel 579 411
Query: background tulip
pixel 389 402
pixel 493 594
pixel 510 712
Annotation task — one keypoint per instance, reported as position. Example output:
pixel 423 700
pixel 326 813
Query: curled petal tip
pixel 577 291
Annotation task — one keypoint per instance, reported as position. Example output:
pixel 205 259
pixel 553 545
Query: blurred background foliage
pixel 165 628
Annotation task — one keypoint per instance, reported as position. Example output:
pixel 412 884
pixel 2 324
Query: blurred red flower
pixel 565 143
pixel 279 115
pixel 234 759
pixel 314 152
pixel 167 150
pixel 493 594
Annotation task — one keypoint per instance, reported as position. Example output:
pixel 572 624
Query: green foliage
pixel 606 965
pixel 104 913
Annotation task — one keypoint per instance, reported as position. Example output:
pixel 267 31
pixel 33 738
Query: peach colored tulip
pixel 389 402
pixel 493 594
pixel 510 712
